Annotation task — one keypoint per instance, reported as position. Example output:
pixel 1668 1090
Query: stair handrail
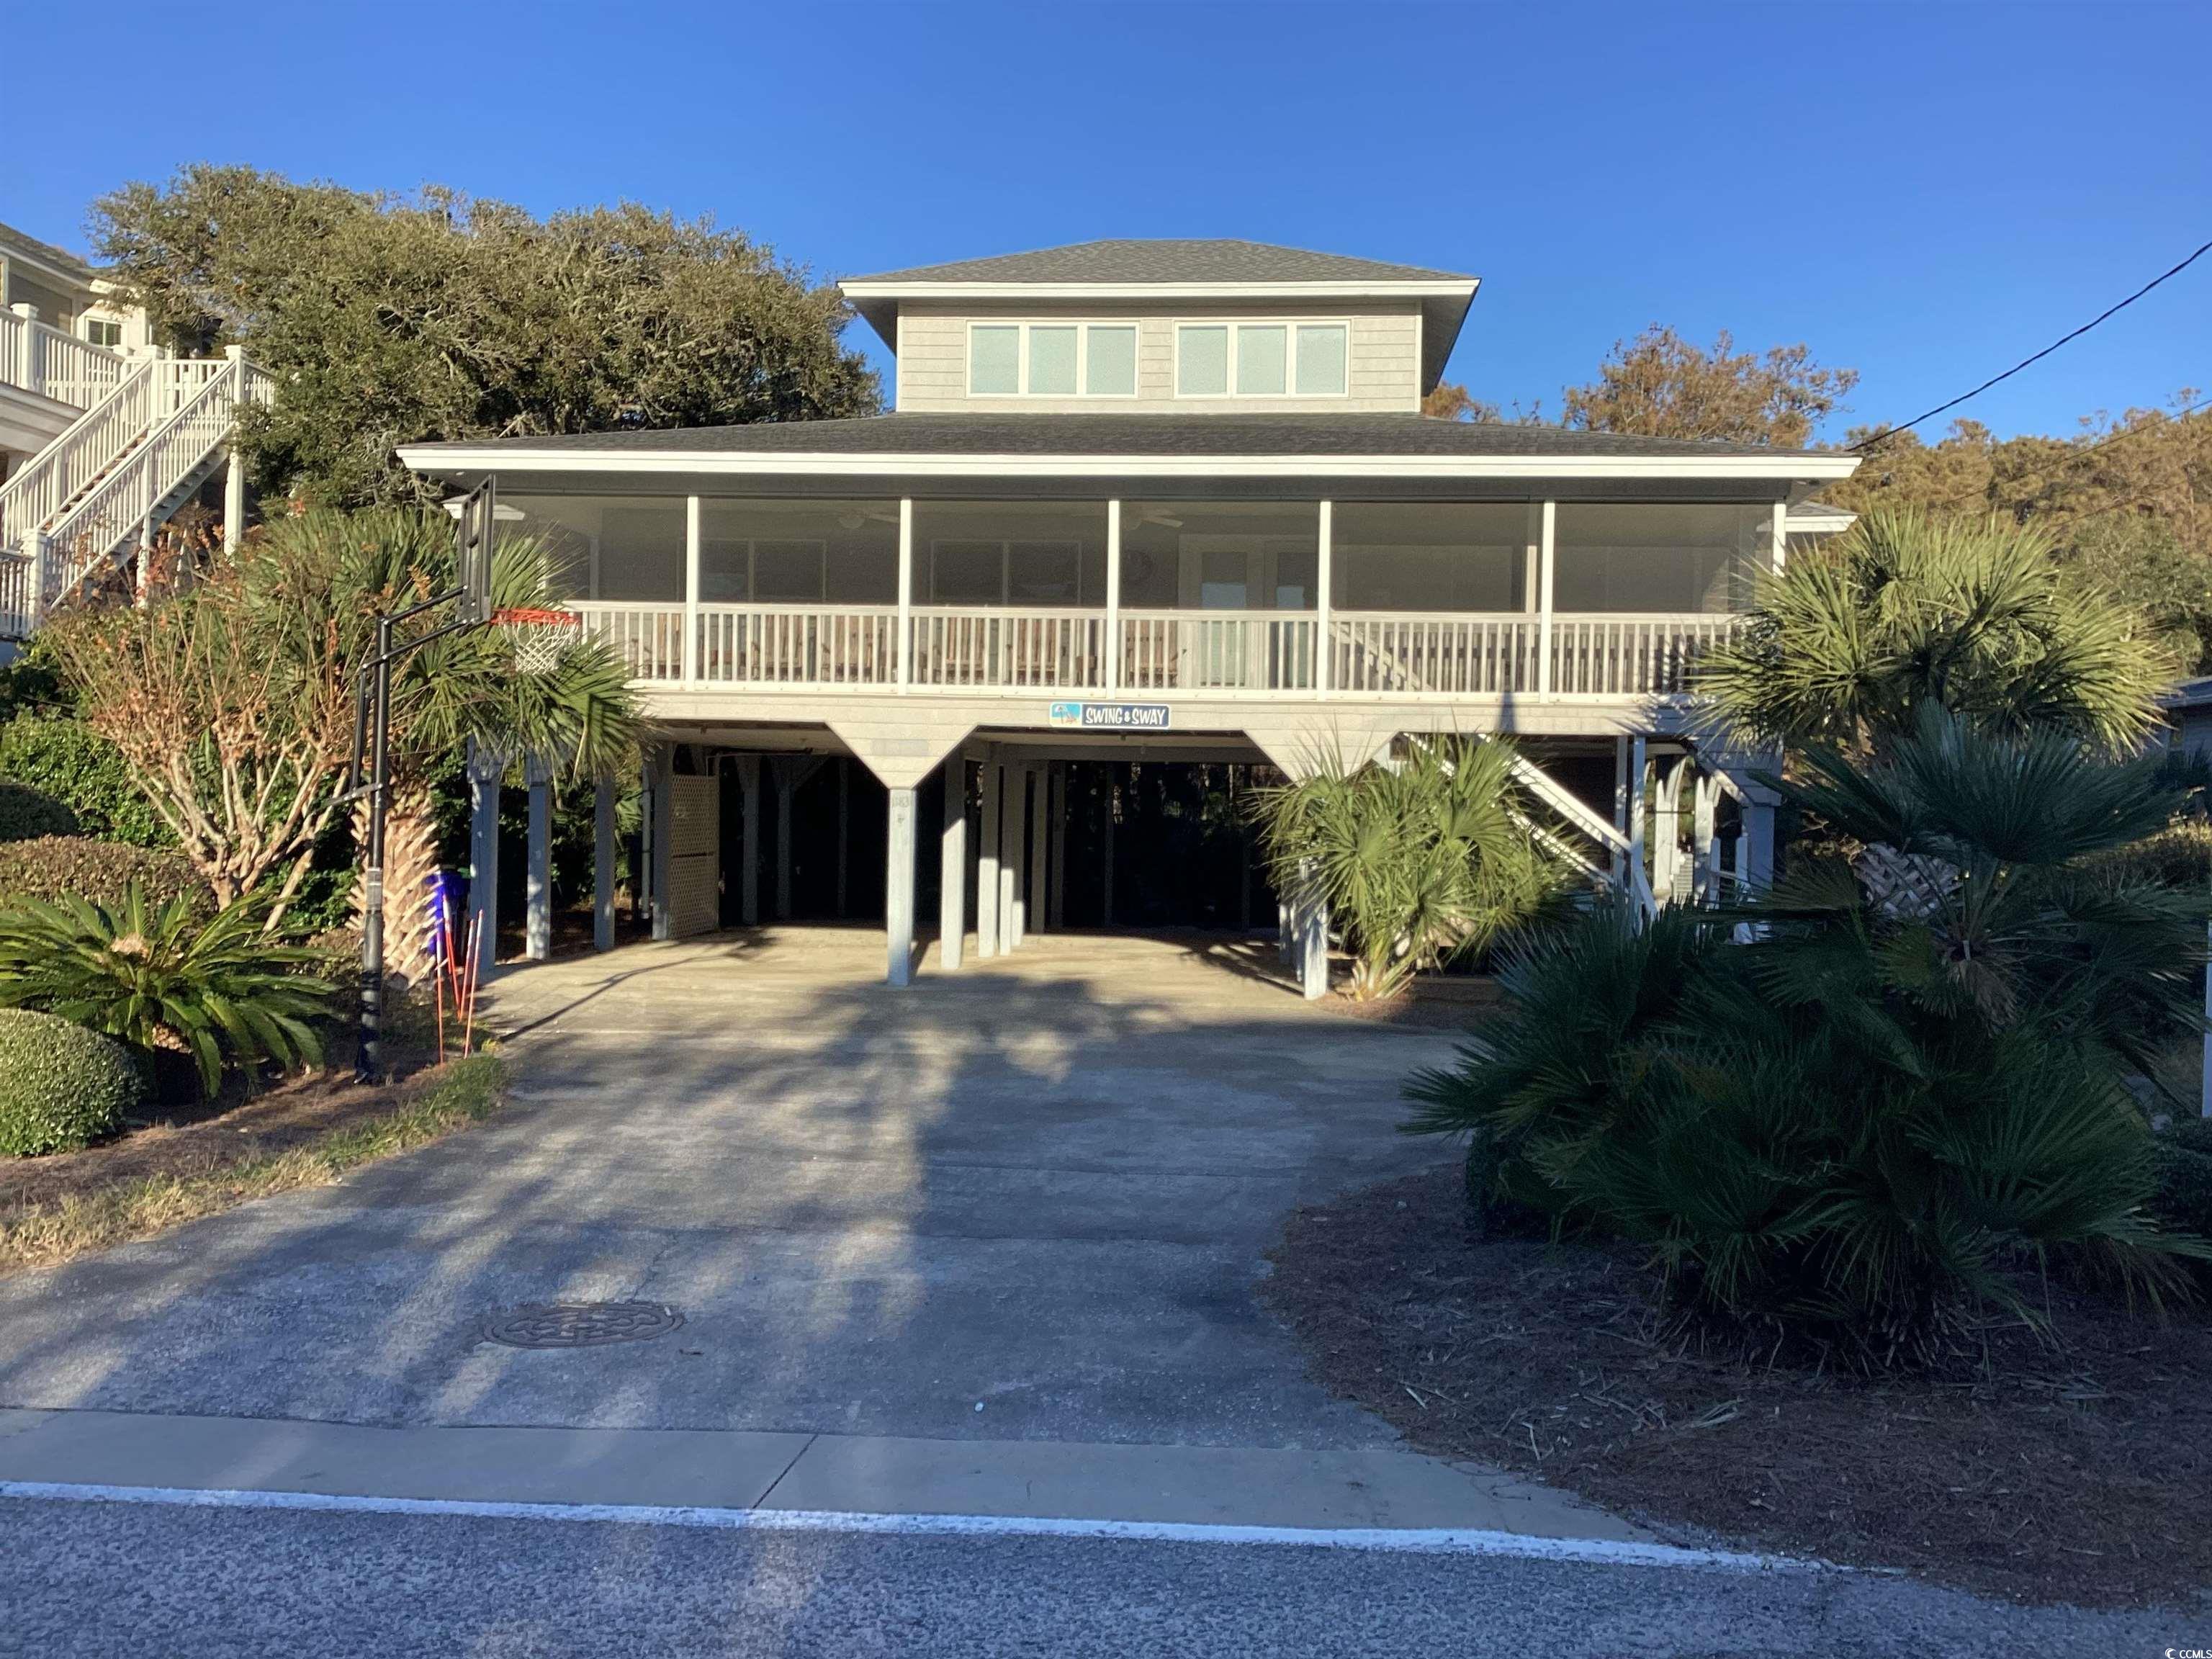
pixel 87 535
pixel 38 491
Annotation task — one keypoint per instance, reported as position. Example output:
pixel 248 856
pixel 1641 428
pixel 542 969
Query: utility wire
pixel 1889 432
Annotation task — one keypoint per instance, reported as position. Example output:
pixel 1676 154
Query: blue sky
pixel 1925 192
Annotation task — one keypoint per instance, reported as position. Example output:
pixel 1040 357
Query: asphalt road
pixel 120 1580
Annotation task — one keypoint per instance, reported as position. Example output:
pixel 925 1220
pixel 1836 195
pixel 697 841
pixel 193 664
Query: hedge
pixel 53 867
pixel 61 1086
pixel 67 760
pixel 26 813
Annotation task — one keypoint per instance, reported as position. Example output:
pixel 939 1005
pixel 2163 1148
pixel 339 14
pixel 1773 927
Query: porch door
pixel 1226 573
pixel 694 856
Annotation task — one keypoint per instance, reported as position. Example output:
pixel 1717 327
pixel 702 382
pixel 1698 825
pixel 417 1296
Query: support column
pixel 1620 798
pixel 1757 845
pixel 603 865
pixel 1013 859
pixel 1112 597
pixel 987 856
pixel 690 590
pixel 537 904
pixel 1034 913
pixel 844 836
pixel 1323 668
pixel 1637 765
pixel 1106 842
pixel 233 499
pixel 1667 830
pixel 786 785
pixel 1313 944
pixel 640 898
pixel 1704 839
pixel 898 890
pixel 748 779
pixel 1546 573
pixel 952 865
pixel 1056 917
pixel 484 856
pixel 664 838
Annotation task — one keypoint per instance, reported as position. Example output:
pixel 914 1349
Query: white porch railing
pixel 1218 650
pixel 1616 656
pixel 648 637
pixel 1408 653
pixel 44 360
pixel 995 648
pixel 1395 655
pixel 798 645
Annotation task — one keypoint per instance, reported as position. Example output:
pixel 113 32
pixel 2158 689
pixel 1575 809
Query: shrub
pixel 60 1085
pixel 27 814
pixel 57 867
pixel 67 760
pixel 2179 856
pixel 1850 1128
pixel 1415 861
pixel 158 976
pixel 2184 1199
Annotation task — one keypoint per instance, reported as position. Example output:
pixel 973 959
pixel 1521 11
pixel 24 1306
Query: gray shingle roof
pixel 1167 261
pixel 1317 435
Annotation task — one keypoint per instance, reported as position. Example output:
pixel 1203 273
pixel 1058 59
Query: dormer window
pixel 1261 360
pixel 1052 360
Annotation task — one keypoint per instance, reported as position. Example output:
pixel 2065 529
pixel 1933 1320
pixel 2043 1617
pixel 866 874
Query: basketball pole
pixel 371 731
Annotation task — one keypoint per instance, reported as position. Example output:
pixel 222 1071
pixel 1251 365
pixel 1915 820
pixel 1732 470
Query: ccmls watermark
pixel 1112 716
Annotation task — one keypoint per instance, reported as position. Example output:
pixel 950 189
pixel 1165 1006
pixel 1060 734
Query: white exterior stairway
pixel 153 430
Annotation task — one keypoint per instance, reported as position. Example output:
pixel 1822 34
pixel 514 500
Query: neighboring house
pixel 2189 718
pixel 103 435
pixel 1171 501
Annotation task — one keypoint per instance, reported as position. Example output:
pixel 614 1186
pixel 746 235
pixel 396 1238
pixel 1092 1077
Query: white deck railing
pixel 1001 649
pixel 1629 656
pixel 1218 650
pixel 1379 654
pixel 798 645
pixel 1410 654
pixel 42 359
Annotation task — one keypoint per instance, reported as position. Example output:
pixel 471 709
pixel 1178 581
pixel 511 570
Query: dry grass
pixel 83 1215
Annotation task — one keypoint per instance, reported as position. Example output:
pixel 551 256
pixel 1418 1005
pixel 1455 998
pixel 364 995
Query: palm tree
pixel 1414 860
pixel 1913 1078
pixel 575 714
pixel 1906 608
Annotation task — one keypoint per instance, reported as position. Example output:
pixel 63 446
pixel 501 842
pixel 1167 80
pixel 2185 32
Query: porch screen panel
pixel 1430 556
pixel 1666 557
pixel 605 547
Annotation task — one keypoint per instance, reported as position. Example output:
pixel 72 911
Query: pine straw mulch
pixel 2071 1471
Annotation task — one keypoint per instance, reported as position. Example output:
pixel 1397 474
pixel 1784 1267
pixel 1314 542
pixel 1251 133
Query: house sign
pixel 1112 716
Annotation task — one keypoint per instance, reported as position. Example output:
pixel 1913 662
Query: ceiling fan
pixel 853 517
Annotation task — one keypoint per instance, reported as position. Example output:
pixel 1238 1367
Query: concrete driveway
pixel 1026 1202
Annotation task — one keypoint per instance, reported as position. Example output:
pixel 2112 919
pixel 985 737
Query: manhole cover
pixel 580 1324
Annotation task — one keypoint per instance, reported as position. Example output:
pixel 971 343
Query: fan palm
pixel 1850 1126
pixel 1414 861
pixel 1906 608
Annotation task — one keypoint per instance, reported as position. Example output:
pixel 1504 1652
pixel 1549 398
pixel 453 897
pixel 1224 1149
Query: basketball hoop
pixel 540 637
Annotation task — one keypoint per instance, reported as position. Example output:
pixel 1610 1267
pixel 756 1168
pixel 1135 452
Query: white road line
pixel 1423 1541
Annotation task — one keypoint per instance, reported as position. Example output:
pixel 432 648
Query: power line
pixel 1887 433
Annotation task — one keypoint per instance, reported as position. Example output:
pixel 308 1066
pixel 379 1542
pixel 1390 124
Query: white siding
pixel 1385 368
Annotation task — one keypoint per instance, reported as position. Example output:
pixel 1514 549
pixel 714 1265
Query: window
pixel 1052 360
pixel 1261 360
pixel 101 333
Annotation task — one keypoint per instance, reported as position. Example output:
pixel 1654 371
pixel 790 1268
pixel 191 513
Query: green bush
pixel 159 976
pixel 26 813
pixel 67 760
pixel 2184 1200
pixel 57 867
pixel 61 1086
pixel 2179 856
pixel 1913 1080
